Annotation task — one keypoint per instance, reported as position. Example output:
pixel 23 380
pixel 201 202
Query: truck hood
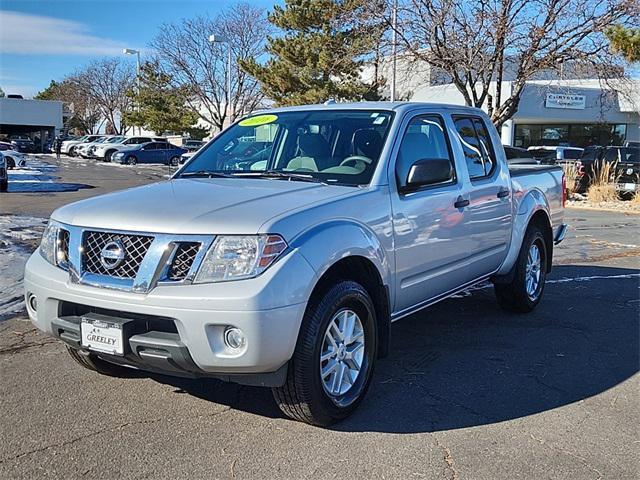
pixel 198 206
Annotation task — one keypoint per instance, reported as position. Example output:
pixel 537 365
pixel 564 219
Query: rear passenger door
pixel 488 214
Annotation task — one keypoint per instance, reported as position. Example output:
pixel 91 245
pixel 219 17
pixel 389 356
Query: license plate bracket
pixel 103 334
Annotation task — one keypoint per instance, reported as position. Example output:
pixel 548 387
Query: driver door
pixel 431 241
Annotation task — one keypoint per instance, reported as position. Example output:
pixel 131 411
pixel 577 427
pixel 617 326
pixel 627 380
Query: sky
pixel 43 40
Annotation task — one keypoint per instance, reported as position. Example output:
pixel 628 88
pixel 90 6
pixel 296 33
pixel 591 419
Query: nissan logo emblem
pixel 112 254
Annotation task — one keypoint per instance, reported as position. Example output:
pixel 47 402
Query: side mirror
pixel 428 171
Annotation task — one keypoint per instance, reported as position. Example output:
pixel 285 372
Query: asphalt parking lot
pixel 468 391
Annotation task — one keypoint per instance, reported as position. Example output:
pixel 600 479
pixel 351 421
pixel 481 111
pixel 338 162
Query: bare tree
pixel 105 83
pixel 185 53
pixel 84 113
pixel 478 44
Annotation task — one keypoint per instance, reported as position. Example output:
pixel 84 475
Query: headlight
pixel 239 257
pixel 49 242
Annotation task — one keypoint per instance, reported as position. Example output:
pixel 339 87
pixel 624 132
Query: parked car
pixel 68 147
pixel 193 145
pixel 286 271
pixel 87 149
pixel 152 152
pixel 627 167
pixel 12 157
pixel 22 143
pixel 106 151
pixel 4 174
pixel 555 154
pixel 517 155
pixel 186 156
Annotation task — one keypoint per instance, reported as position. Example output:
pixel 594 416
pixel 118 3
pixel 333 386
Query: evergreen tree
pixel 159 106
pixel 321 53
pixel 625 41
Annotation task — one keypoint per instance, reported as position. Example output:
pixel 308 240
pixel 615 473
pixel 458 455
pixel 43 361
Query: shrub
pixel 571 176
pixel 603 182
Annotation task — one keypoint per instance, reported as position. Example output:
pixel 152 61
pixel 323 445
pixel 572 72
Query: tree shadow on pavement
pixel 464 362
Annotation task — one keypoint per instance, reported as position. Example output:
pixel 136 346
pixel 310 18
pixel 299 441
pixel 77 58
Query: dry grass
pixel 571 176
pixel 603 183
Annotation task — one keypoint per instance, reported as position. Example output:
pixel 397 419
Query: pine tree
pixel 625 41
pixel 321 53
pixel 159 107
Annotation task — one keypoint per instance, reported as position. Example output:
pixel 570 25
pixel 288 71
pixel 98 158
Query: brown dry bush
pixel 603 182
pixel 571 176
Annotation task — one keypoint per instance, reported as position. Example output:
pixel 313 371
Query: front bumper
pixel 179 329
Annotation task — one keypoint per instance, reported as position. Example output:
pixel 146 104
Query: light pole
pixel 220 39
pixel 394 47
pixel 131 51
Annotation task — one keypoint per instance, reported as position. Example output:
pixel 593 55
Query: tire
pixel 174 161
pixel 95 364
pixel 72 152
pixel 516 296
pixel 131 160
pixel 304 396
pixel 108 155
pixel 4 185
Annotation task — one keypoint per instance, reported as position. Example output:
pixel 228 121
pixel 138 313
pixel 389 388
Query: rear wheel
pixel 332 365
pixel 131 160
pixel 174 161
pixel 108 155
pixel 524 292
pixel 92 362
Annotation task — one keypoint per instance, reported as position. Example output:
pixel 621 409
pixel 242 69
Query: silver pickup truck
pixel 280 254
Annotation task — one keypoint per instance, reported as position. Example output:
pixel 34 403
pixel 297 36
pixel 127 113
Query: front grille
pixel 135 247
pixel 63 248
pixel 183 260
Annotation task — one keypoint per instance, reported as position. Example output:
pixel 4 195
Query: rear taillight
pixel 564 190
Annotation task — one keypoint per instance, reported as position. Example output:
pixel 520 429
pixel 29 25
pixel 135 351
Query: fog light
pixel 33 302
pixel 234 338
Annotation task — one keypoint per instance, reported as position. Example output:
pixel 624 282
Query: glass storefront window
pixel 571 135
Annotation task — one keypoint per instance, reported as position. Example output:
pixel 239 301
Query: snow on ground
pixel 18 237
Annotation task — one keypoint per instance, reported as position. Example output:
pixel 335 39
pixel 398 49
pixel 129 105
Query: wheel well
pixel 541 220
pixel 362 270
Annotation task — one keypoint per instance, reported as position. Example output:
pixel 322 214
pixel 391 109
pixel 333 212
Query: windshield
pixel 332 146
pixel 115 140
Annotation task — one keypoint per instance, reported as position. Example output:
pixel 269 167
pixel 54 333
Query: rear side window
pixel 476 143
pixel 572 154
pixel 424 139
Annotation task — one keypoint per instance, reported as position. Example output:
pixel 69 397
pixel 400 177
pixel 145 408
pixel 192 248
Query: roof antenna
pixel 331 101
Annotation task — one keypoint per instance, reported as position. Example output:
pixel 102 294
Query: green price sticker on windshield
pixel 258 120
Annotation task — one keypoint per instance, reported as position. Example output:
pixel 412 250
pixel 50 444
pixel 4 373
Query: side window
pixel 485 143
pixel 471 146
pixel 425 139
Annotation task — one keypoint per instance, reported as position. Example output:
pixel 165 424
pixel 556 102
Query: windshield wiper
pixel 206 174
pixel 299 177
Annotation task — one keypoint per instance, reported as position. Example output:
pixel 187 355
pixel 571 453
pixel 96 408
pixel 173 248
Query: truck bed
pixel 525 169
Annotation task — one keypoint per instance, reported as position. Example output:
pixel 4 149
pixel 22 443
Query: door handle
pixel 503 192
pixel 461 202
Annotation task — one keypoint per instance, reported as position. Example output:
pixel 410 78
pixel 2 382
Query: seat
pixel 366 142
pixel 313 152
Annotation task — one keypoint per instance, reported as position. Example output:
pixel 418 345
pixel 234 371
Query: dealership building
pixel 40 119
pixel 576 112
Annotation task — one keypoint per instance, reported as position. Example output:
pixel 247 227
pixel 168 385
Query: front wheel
pixel 131 160
pixel 332 365
pixel 524 291
pixel 174 161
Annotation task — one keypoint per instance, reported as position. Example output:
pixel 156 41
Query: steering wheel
pixel 356 158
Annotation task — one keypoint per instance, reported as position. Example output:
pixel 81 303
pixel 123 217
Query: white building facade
pixel 577 112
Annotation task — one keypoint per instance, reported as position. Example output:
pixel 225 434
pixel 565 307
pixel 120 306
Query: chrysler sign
pixel 563 100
